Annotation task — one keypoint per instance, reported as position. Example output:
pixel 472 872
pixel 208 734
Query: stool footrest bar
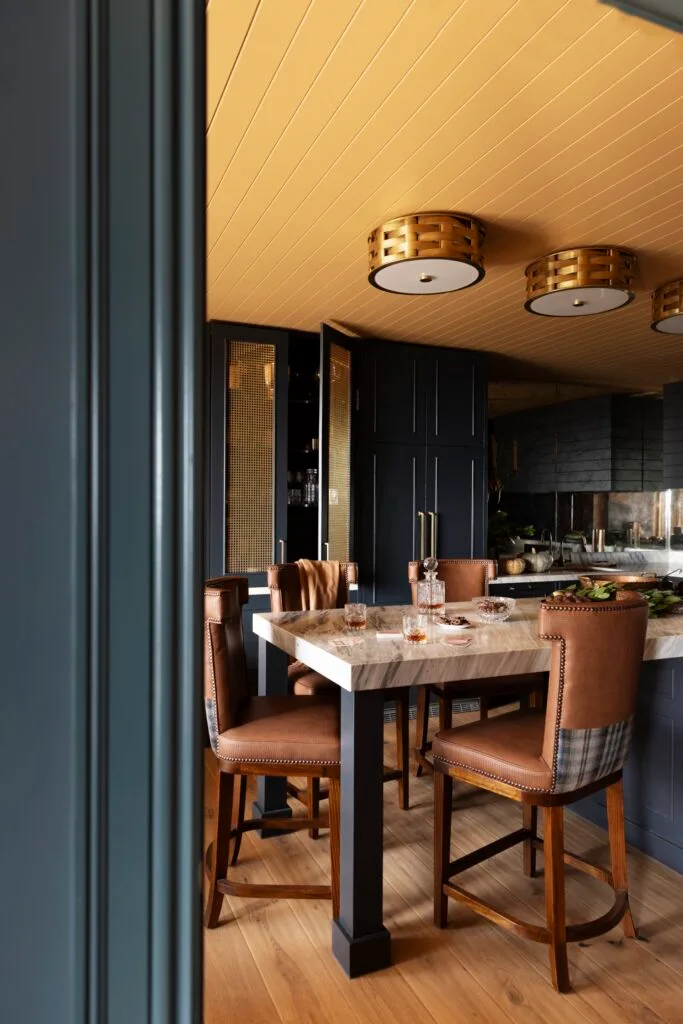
pixel 469 860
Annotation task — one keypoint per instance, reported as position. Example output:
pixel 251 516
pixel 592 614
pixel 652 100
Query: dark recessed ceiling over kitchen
pixel 556 123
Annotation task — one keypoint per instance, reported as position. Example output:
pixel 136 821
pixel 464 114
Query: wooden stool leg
pixel 313 804
pixel 240 820
pixel 530 821
pixel 617 848
pixel 443 808
pixel 553 848
pixel 334 814
pixel 225 784
pixel 421 725
pixel 402 751
pixel 536 699
pixel 445 710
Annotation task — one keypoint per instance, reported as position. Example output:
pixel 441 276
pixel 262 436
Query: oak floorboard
pixel 270 961
pixel 507 968
pixel 234 988
pixel 660 940
pixel 282 950
pixel 644 984
pixel 436 977
pixel 601 991
pixel 641 985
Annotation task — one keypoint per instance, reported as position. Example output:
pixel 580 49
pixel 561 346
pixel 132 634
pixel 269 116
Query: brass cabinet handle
pixel 421 517
pixel 432 517
pixel 283 545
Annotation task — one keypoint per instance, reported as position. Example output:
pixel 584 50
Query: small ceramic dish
pixel 458 623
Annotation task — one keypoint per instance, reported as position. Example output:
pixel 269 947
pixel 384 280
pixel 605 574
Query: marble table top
pixel 364 662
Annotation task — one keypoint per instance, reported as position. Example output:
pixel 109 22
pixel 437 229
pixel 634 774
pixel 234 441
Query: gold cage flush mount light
pixel 426 253
pixel 580 282
pixel 667 308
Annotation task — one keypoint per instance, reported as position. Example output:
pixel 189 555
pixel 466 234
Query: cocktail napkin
pixel 388 634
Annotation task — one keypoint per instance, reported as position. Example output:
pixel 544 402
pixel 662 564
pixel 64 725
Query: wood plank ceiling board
pixel 555 121
pixel 369 91
pixel 227 29
pixel 240 204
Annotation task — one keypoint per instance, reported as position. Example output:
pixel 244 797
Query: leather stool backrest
pixel 225 667
pixel 465 578
pixel 597 652
pixel 284 583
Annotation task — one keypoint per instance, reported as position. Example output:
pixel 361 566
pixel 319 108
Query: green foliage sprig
pixel 658 601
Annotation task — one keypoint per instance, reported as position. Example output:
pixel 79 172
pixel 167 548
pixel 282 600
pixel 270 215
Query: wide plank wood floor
pixel 270 962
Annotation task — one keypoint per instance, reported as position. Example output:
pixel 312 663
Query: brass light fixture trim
pixel 667 308
pixel 426 253
pixel 581 281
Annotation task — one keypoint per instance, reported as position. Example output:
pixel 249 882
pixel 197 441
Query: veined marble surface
pixel 501 649
pixel 551 576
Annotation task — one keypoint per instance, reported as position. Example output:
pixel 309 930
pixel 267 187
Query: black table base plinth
pixel 361 956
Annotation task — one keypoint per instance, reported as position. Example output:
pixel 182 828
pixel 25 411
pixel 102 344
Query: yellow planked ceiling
pixel 555 121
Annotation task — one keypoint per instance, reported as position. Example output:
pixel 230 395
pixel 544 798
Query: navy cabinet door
pixel 413 393
pixel 335 520
pixel 390 393
pixel 455 481
pixel 390 492
pixel 653 776
pixel 455 391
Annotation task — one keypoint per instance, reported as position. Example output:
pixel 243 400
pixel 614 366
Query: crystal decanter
pixel 431 592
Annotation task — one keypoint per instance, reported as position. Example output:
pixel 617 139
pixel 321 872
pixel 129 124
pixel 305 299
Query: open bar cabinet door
pixel 335 520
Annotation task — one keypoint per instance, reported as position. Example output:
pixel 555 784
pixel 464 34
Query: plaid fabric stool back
pixel 225 666
pixel 597 651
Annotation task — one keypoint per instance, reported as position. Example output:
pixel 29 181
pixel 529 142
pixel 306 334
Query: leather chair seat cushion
pixel 312 684
pixel 494 685
pixel 278 730
pixel 507 748
pixel 307 683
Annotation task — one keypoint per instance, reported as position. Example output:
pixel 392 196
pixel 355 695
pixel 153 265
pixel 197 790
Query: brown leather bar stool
pixel 550 759
pixel 465 579
pixel 284 581
pixel 259 736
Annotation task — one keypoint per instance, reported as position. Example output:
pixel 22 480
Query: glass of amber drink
pixel 416 629
pixel 355 616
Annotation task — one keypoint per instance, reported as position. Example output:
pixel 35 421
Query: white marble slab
pixel 507 648
pixel 537 577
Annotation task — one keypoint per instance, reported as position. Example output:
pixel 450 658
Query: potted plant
pixel 502 534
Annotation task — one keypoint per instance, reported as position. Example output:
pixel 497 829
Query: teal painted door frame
pixel 101 402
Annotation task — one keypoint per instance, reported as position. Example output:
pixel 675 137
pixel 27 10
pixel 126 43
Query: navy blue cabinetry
pixel 455 496
pixel 603 443
pixel 389 486
pixel 653 777
pixel 415 393
pixel 420 461
pixel 673 435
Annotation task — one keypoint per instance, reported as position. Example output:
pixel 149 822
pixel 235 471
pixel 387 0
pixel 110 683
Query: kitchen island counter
pixel 653 777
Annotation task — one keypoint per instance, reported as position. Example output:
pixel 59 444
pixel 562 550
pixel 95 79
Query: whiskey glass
pixel 355 616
